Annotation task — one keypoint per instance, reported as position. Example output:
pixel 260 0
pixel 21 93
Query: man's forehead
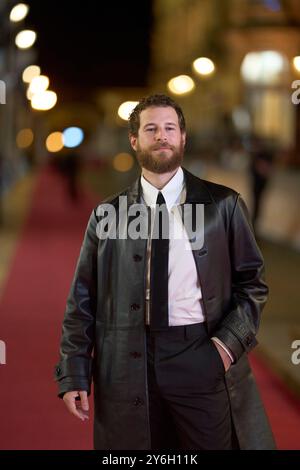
pixel 158 113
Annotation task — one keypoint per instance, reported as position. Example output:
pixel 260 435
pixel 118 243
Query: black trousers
pixel 188 401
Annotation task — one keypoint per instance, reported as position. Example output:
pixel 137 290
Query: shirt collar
pixel 171 192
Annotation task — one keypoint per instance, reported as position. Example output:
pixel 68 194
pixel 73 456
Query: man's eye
pixel 151 129
pixel 170 128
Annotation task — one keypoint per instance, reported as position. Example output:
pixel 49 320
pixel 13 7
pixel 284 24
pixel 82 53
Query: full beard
pixel 160 162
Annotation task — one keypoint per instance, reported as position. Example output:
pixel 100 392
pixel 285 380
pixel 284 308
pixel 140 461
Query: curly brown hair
pixel 158 100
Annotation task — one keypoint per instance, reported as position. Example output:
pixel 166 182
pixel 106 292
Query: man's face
pixel 160 143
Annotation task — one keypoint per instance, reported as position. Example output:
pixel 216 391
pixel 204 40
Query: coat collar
pixel 196 190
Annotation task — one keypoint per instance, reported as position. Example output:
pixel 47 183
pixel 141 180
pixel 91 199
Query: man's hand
pixel 224 356
pixel 78 408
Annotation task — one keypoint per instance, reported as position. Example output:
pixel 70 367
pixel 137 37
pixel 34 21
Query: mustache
pixel 162 146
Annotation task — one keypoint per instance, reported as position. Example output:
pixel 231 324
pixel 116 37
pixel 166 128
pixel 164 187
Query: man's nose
pixel 161 135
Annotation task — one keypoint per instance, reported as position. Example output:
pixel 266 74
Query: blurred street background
pixel 70 72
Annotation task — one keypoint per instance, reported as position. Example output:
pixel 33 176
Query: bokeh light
pixel 72 137
pixel 123 162
pixel 54 142
pixel 39 84
pixel 18 12
pixel 44 100
pixel 25 39
pixel 181 84
pixel 204 66
pixel 296 63
pixel 30 72
pixel 263 67
pixel 126 108
pixel 24 138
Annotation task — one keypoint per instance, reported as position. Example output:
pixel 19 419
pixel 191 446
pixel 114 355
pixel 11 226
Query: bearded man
pixel 163 324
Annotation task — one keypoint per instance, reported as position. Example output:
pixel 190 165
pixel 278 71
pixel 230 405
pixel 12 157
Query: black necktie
pixel 159 317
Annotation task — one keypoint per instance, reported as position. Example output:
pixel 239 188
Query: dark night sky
pixel 87 44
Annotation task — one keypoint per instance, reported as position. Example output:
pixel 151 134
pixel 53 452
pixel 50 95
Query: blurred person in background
pixel 164 330
pixel 69 165
pixel 262 158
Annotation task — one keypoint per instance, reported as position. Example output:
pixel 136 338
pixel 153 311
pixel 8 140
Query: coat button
pixel 135 354
pixel 248 340
pixel 137 258
pixel 135 306
pixel 202 252
pixel 138 401
pixel 58 370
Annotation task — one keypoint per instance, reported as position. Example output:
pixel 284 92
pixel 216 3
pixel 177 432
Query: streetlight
pixel 25 39
pixel 19 12
pixel 44 101
pixel 30 72
pixel 126 108
pixel 296 63
pixel 38 84
pixel 181 84
pixel 204 66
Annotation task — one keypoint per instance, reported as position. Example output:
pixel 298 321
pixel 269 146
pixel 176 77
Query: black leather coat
pixel 105 319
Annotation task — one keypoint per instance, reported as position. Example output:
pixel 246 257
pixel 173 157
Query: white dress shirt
pixel 184 290
pixel 185 296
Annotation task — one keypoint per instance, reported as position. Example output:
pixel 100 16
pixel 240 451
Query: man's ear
pixel 183 135
pixel 133 141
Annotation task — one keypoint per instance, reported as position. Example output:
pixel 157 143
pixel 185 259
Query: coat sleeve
pixel 249 290
pixel 73 372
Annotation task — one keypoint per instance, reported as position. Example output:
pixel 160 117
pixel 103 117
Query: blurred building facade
pixel 255 88
pixel 252 44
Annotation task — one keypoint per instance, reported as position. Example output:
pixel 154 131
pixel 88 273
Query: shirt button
pixel 137 258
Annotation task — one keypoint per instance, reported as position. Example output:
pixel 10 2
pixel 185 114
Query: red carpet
pixel 32 308
pixel 283 408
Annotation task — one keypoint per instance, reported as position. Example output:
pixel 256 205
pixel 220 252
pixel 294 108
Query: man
pixel 169 320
